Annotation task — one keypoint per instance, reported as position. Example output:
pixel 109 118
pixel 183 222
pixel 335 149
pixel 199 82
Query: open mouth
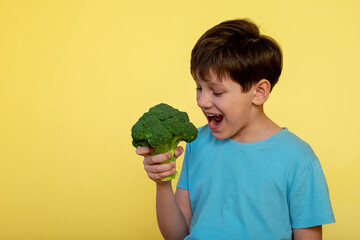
pixel 214 121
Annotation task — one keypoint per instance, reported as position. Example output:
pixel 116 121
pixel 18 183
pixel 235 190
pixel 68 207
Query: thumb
pixel 178 151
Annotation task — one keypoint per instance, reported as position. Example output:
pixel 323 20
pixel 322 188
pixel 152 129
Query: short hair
pixel 235 48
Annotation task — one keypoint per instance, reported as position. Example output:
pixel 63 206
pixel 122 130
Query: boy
pixel 244 177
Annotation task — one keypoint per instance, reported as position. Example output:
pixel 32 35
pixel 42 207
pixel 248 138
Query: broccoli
pixel 162 128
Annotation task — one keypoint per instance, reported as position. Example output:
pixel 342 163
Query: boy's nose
pixel 203 100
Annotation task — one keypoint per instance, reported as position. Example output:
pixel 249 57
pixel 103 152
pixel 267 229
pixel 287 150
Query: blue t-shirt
pixel 255 190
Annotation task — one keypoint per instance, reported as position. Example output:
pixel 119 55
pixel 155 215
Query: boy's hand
pixel 153 168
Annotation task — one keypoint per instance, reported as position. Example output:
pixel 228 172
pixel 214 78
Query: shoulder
pixel 296 143
pixel 298 153
pixel 287 149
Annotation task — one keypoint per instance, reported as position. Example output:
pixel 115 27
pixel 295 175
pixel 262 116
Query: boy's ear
pixel 261 92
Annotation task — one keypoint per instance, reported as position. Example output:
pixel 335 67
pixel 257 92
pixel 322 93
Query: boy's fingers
pixel 178 151
pixel 159 158
pixel 158 171
pixel 159 168
pixel 158 176
pixel 152 163
pixel 143 151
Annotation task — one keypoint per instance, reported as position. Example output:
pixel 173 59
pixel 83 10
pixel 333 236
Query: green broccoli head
pixel 162 128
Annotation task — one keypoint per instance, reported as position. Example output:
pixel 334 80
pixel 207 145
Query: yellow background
pixel 76 75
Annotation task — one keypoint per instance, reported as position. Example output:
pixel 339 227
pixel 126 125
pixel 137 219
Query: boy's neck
pixel 261 127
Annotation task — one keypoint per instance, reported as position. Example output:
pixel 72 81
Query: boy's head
pixel 236 49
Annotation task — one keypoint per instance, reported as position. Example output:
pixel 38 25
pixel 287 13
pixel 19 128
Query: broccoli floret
pixel 163 128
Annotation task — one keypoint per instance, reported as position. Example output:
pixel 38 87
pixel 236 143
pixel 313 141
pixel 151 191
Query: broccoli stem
pixel 171 149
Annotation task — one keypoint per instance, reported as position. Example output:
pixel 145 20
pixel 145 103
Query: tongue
pixel 215 121
pixel 218 118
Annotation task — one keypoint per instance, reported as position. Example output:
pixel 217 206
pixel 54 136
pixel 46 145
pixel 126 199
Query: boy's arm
pixel 169 209
pixel 312 233
pixel 183 202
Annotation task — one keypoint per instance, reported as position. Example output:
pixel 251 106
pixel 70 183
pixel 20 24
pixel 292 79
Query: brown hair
pixel 237 49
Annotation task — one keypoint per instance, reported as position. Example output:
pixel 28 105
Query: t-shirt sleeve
pixel 309 201
pixel 183 180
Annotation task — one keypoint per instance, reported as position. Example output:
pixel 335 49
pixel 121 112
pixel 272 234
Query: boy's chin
pixel 218 136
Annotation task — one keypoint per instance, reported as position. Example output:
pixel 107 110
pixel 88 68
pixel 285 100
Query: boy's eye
pixel 198 89
pixel 217 93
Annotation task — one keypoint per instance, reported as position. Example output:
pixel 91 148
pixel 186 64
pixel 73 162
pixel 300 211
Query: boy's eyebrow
pixel 216 84
pixel 212 84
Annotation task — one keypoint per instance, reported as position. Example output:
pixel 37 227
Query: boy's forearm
pixel 171 221
pixel 312 233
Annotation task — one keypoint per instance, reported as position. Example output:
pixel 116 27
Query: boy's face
pixel 227 109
